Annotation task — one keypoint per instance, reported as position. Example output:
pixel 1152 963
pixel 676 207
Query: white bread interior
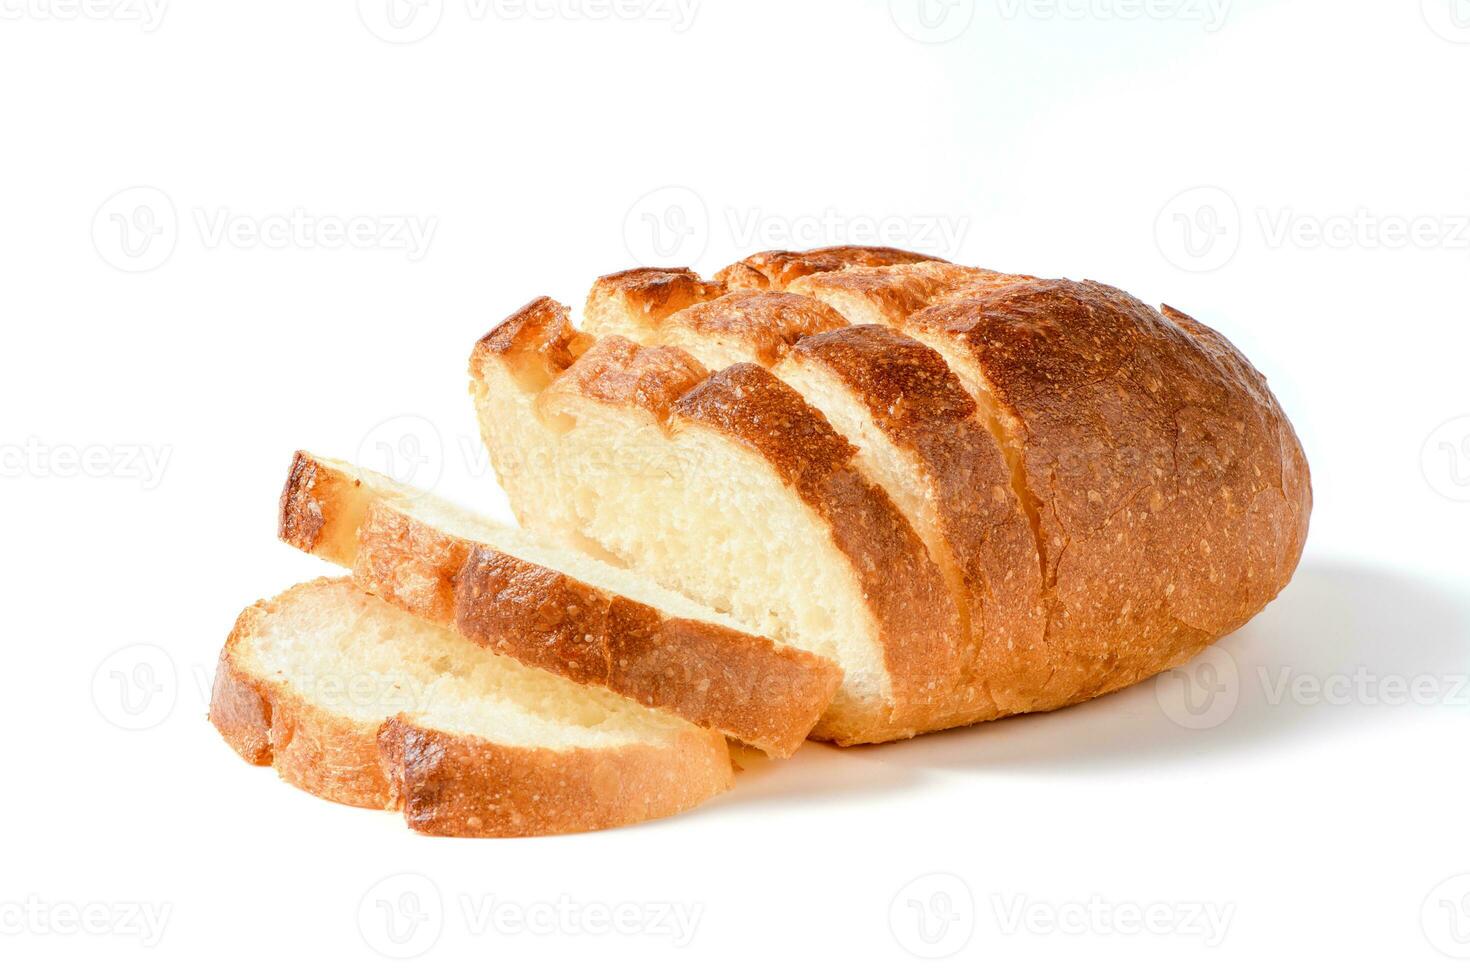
pixel 333 646
pixel 445 516
pixel 679 505
pixel 887 465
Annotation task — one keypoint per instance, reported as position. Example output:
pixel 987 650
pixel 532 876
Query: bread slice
pixel 728 488
pixel 360 703
pixel 554 608
pixel 921 439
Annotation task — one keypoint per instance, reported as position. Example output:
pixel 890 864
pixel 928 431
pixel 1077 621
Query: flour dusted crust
pixel 445 783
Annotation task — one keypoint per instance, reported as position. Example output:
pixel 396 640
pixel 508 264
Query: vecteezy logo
pixel 136 229
pixel 1445 459
pixel 1445 916
pixel 1450 19
pixel 933 916
pixel 1199 230
pixel 136 687
pixel 406 447
pixel 932 21
pixel 1203 693
pixel 667 227
pixel 401 916
pixel 400 21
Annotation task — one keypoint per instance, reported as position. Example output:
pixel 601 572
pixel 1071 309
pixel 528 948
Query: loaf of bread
pixel 855 494
pixel 977 493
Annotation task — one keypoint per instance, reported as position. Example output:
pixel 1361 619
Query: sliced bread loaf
pixel 554 608
pixel 1102 488
pixel 728 488
pixel 358 702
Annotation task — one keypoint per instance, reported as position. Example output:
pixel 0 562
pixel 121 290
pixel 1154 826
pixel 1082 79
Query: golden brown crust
pixel 764 324
pixel 889 295
pixel 268 723
pixel 460 786
pixel 635 301
pixel 539 333
pixel 310 491
pixel 616 371
pixel 1172 499
pixel 446 783
pixel 238 709
pixel 408 563
pixel 777 269
pixel 914 399
pixel 1278 444
pixel 979 283
pixel 762 693
pixel 916 615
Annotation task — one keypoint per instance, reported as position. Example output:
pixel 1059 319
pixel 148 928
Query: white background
pixel 1257 164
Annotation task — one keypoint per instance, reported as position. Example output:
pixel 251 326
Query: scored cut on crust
pixel 358 702
pixel 728 488
pixel 554 608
